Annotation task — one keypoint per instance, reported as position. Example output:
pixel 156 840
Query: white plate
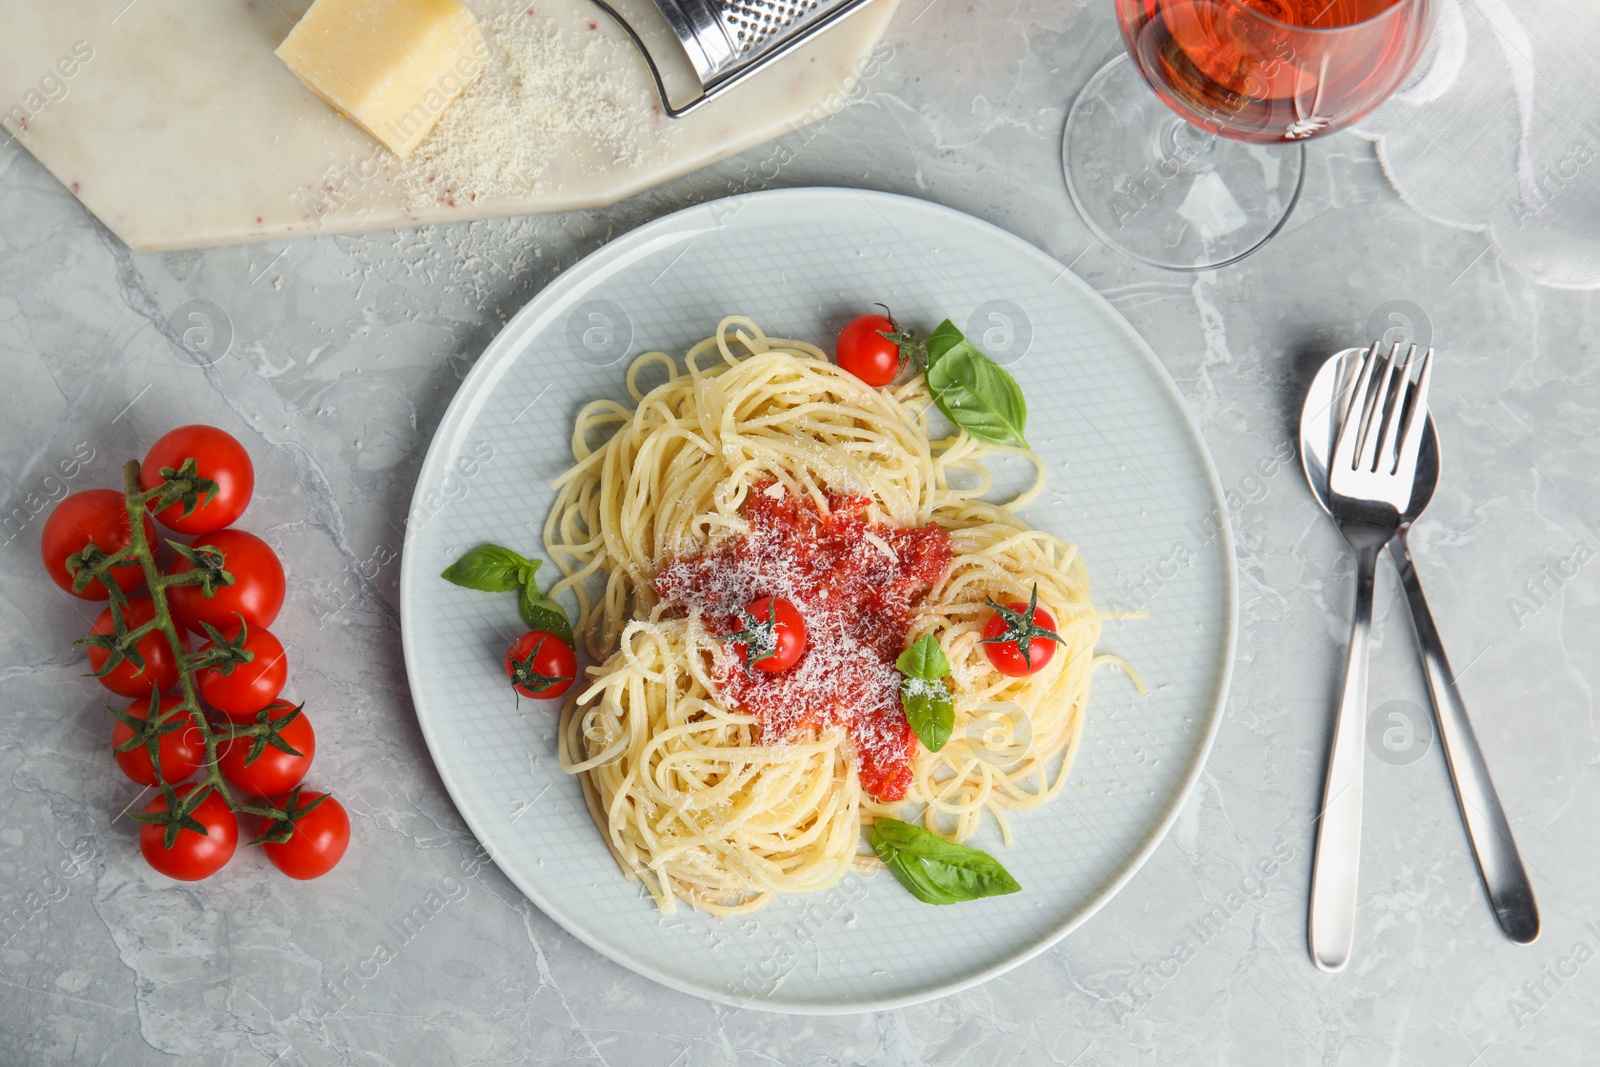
pixel 1130 483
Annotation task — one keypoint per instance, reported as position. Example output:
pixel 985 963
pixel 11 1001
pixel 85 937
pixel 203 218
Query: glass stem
pixel 1183 148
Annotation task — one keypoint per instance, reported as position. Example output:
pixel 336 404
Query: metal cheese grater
pixel 729 40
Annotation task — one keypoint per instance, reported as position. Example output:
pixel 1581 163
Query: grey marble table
pixel 345 352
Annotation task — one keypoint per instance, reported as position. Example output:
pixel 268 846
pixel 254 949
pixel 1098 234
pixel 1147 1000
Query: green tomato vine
pixel 180 486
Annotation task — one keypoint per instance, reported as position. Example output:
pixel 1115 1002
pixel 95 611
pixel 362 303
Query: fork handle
pixel 1332 921
pixel 1504 877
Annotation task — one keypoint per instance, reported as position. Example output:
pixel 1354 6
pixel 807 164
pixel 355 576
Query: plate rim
pixel 579 274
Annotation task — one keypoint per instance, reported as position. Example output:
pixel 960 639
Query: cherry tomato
pixel 249 687
pixel 866 352
pixel 218 456
pixel 541 665
pixel 256 592
pixel 97 515
pixel 1002 639
pixel 775 635
pixel 180 753
pixel 160 670
pixel 319 840
pixel 274 770
pixel 193 856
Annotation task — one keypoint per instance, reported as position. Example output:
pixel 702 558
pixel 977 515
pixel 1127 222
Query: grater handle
pixel 700 29
pixel 692 42
pixel 649 61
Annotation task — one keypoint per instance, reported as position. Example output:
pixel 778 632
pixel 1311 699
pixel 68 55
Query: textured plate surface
pixel 1130 482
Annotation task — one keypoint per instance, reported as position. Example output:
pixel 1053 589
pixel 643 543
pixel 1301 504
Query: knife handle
pixel 1504 877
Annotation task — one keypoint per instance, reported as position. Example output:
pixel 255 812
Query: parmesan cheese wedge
pixel 391 66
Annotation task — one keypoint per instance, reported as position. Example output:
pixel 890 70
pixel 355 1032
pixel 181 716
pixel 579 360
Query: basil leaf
pixel 924 659
pixel 975 392
pixel 542 612
pixel 942 340
pixel 929 710
pixel 935 870
pixel 491 569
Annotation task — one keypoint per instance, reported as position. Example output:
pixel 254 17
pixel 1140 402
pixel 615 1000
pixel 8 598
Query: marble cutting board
pixel 176 125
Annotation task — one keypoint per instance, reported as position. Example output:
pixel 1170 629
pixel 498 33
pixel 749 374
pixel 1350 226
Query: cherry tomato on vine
pixel 193 856
pixel 773 637
pixel 273 770
pixel 541 665
pixel 256 592
pixel 98 515
pixel 218 456
pixel 874 348
pixel 319 840
pixel 249 687
pixel 180 753
pixel 1017 625
pixel 160 670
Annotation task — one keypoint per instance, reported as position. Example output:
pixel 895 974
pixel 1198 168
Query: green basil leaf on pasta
pixel 543 612
pixel 936 870
pixel 945 337
pixel 929 710
pixel 975 392
pixel 924 659
pixel 491 569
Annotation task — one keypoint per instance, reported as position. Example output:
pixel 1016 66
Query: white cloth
pixel 1499 131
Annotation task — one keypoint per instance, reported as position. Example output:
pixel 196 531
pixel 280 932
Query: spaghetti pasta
pixel 703 800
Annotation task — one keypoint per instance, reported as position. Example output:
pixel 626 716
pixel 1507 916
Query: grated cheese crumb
pixel 881 545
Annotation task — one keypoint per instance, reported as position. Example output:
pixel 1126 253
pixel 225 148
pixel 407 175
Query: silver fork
pixel 1370 479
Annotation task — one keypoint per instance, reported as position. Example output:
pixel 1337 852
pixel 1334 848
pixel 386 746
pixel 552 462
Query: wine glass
pixel 1207 168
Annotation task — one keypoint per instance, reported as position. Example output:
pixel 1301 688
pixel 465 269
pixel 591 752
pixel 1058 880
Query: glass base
pixel 1154 186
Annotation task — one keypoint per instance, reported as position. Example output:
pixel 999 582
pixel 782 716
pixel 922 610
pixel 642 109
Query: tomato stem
pixel 1021 627
pixel 759 638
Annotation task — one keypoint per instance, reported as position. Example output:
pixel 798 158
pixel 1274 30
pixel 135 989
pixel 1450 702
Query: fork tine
pixel 1344 448
pixel 1372 424
pixel 1350 369
pixel 1349 375
pixel 1388 453
pixel 1416 420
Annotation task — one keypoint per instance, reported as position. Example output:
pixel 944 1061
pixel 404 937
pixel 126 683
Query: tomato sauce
pixel 857 600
